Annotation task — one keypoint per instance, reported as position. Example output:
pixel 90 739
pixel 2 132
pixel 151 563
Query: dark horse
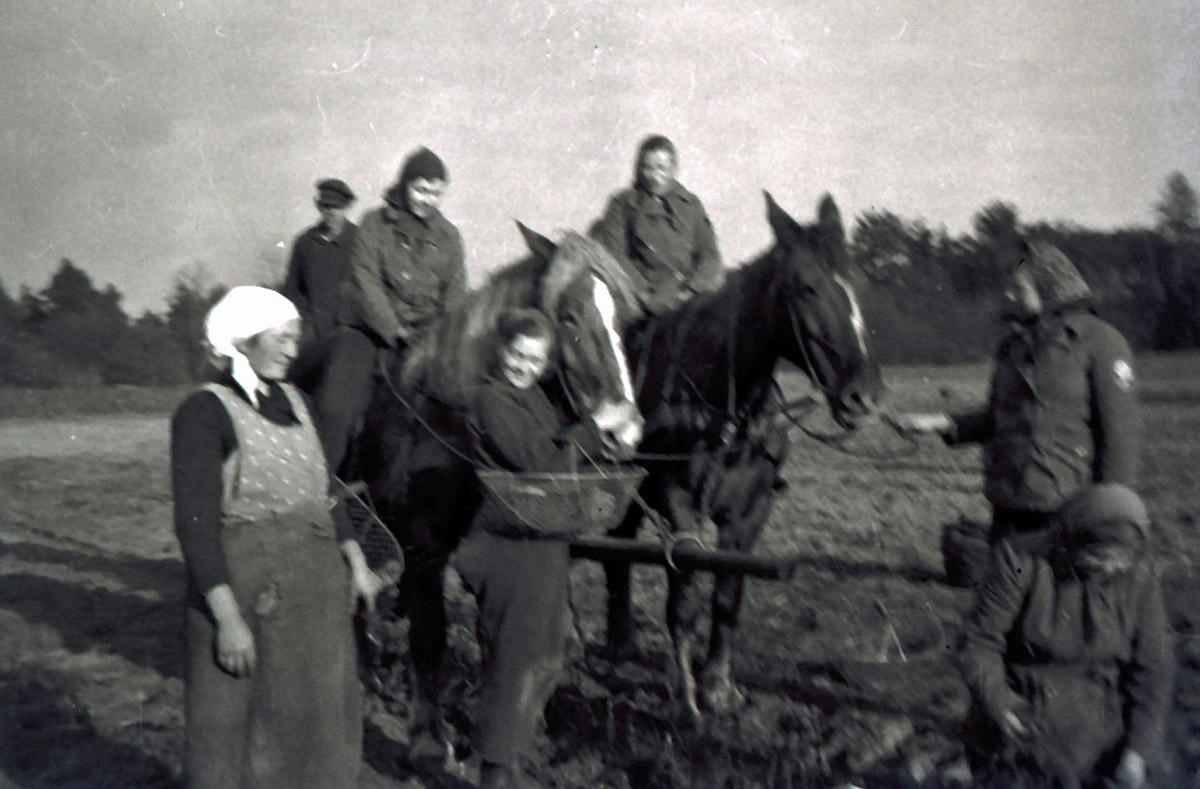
pixel 705 380
pixel 416 449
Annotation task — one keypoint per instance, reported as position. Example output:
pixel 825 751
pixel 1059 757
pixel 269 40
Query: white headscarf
pixel 241 313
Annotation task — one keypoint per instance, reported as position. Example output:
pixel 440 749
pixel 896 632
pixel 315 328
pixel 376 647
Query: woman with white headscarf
pixel 274 571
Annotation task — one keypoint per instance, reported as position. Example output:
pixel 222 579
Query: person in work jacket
pixel 271 690
pixel 521 582
pixel 1068 657
pixel 320 262
pixel 1062 411
pixel 406 267
pixel 661 232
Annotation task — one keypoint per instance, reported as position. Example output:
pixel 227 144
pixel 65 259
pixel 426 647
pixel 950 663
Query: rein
pixel 805 406
pixel 669 539
pixel 412 411
pixel 836 441
pixel 730 412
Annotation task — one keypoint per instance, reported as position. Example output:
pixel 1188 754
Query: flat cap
pixel 335 192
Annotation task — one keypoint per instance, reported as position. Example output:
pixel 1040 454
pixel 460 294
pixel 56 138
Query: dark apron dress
pixel 295 722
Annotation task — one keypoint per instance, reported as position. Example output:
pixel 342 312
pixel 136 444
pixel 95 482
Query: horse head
pixel 577 294
pixel 825 335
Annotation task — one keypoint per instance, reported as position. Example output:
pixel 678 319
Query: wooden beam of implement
pixel 687 556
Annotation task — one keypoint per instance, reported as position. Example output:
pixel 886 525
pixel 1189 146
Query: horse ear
pixel 787 230
pixel 538 244
pixel 832 233
pixel 829 218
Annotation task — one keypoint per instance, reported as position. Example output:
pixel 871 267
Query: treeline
pixel 72 333
pixel 934 298
pixel 930 298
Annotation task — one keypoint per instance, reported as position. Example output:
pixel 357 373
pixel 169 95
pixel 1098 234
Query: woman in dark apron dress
pixel 274 572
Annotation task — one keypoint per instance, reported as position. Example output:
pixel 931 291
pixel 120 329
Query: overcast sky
pixel 141 136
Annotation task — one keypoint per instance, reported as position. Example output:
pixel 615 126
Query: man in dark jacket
pixel 406 267
pixel 661 232
pixel 319 264
pixel 1068 658
pixel 1062 411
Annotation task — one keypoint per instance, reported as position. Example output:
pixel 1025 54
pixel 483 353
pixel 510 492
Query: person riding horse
pixel 406 267
pixel 705 378
pixel 661 232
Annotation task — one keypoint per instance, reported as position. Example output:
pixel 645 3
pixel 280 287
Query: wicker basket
pixel 379 547
pixel 557 504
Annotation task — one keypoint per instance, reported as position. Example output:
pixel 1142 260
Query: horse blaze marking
pixel 608 312
pixel 856 318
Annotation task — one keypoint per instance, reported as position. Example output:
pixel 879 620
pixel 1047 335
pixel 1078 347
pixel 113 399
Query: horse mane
pixel 702 328
pixel 579 253
pixel 451 359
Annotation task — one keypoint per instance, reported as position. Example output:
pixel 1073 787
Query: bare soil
pixel 845 667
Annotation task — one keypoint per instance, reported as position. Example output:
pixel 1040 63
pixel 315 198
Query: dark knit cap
pixel 1057 281
pixel 656 142
pixel 334 192
pixel 421 163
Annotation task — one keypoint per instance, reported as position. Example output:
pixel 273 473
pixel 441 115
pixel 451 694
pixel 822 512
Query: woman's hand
pixel 364 584
pixel 235 647
pixel 234 642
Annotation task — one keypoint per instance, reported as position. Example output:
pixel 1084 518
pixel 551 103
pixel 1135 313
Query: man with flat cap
pixel 406 266
pixel 319 264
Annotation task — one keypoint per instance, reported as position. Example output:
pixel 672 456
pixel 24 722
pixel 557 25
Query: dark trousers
pixel 296 721
pixel 522 588
pixel 345 391
pixel 306 369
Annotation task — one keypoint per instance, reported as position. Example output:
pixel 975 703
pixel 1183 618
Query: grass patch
pixel 17 403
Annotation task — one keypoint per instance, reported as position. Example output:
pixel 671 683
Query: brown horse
pixel 705 382
pixel 416 450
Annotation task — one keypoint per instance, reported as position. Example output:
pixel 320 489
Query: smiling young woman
pixel 522 583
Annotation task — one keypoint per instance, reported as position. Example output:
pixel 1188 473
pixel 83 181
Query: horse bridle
pixel 787 409
pixel 807 405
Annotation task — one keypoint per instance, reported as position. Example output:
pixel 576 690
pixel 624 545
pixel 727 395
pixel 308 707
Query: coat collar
pixel 676 195
pixel 319 232
pixel 402 217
